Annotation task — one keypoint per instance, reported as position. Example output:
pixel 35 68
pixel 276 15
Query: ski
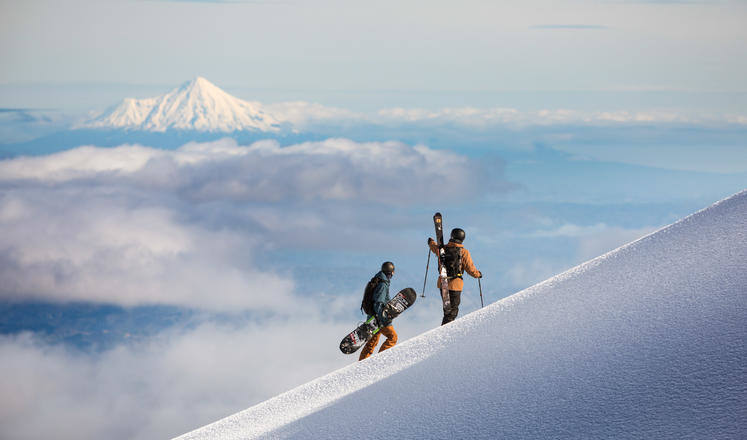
pixel 444 281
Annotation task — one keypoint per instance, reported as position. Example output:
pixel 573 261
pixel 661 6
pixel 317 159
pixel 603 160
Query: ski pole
pixel 480 285
pixel 427 264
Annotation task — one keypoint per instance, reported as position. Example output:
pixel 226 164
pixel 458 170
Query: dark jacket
pixel 381 297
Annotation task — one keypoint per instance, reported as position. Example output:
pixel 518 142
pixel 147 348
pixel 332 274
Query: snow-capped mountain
pixel 196 105
pixel 647 341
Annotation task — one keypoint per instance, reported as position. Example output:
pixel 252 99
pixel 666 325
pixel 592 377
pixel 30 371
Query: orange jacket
pixel 467 265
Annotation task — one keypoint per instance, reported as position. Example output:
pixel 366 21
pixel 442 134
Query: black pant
pixel 455 296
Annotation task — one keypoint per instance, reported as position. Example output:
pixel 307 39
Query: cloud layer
pixel 335 169
pixel 135 225
pixel 304 115
pixel 160 389
pixel 500 116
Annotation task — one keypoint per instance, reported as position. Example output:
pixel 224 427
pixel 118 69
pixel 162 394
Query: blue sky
pixel 552 132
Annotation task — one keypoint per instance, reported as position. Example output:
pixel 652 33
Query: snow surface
pixel 196 105
pixel 647 341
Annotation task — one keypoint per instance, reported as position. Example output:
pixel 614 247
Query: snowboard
pixel 438 223
pixel 358 337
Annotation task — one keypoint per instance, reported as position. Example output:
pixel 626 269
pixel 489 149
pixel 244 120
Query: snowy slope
pixel 647 341
pixel 196 105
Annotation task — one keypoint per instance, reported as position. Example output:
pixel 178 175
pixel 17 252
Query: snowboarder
pixel 379 297
pixel 457 261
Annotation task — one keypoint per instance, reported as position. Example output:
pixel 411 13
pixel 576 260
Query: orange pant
pixel 391 339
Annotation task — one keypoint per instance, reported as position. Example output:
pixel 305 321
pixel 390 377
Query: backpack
pixel 367 305
pixel 452 261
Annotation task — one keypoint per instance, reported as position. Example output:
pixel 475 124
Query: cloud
pixel 527 273
pixel 485 117
pixel 17 115
pixel 134 225
pixel 607 239
pixel 570 230
pixel 24 124
pixel 569 26
pixel 303 115
pixel 90 245
pixel 463 115
pixel 165 387
pixel 594 240
pixel 335 169
pixel 667 2
pixel 582 242
pixel 253 2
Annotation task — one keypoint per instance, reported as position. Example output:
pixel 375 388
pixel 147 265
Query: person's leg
pixel 444 320
pixel 370 346
pixel 455 298
pixel 391 337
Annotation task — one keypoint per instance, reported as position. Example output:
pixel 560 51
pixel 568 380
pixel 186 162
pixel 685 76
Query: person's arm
pixel 379 296
pixel 433 245
pixel 468 265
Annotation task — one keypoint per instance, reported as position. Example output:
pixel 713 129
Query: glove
pixel 479 274
pixel 383 320
pixel 430 240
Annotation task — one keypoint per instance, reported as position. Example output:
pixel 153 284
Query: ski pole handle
pixel 427 264
pixel 479 284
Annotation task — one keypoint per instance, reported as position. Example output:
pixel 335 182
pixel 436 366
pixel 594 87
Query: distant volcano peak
pixel 196 105
pixel 200 85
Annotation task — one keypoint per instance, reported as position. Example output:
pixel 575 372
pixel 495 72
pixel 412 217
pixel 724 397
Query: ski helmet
pixel 457 234
pixel 387 268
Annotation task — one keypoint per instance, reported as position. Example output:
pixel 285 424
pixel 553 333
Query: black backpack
pixel 367 305
pixel 453 261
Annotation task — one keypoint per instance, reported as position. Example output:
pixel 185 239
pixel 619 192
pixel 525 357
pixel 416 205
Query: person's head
pixel 457 235
pixel 388 268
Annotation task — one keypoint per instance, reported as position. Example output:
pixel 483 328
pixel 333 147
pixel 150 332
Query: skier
pixel 457 260
pixel 380 296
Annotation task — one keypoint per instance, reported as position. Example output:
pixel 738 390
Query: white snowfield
pixel 646 342
pixel 196 105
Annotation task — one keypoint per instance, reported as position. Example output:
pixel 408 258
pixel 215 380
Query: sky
pixel 173 279
pixel 692 47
